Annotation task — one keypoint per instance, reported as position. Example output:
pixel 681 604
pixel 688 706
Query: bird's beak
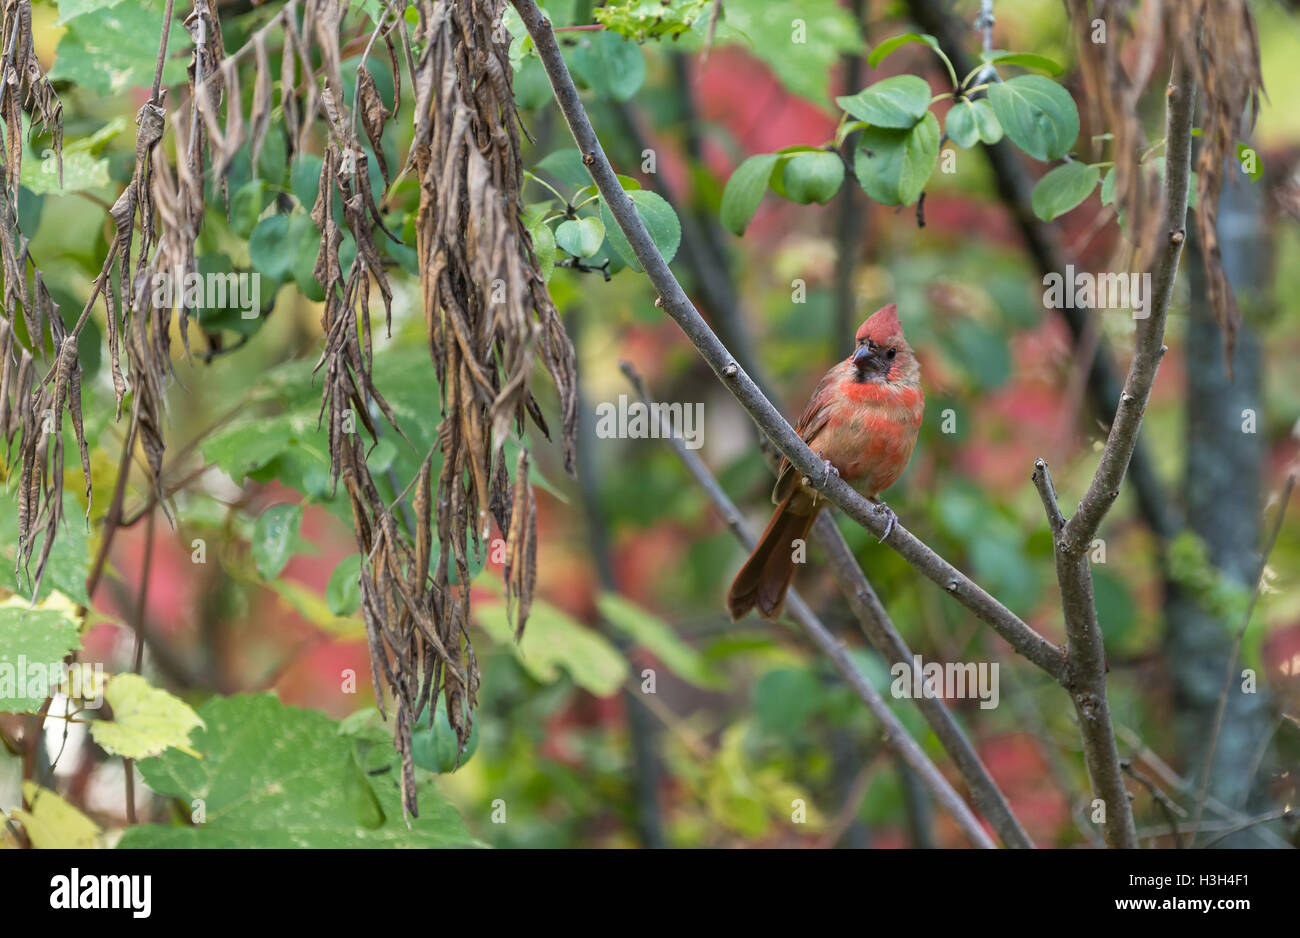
pixel 862 355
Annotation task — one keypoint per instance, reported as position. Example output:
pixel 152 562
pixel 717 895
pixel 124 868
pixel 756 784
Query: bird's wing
pixel 811 422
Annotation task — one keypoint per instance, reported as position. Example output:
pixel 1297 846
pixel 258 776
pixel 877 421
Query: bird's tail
pixel 766 575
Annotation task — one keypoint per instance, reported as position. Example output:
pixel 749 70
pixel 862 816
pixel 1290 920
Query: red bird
pixel 862 421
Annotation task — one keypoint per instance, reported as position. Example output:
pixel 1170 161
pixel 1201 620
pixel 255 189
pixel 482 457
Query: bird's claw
pixel 890 520
pixel 830 471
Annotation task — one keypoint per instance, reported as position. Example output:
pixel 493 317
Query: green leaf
pixel 241 448
pixel 800 40
pixel 81 171
pixel 543 247
pixel 266 247
pixel 987 124
pixel 246 205
pixel 1062 189
pixel 68 565
pixel 971 122
pixel 435 746
pixel 649 19
pixel 277 776
pixel 785 699
pixel 31 207
pixel 745 190
pixel 879 53
pixel 610 65
pixel 103 50
pixel 1037 114
pixel 960 125
pixel 1025 59
pixel 581 237
pixel 531 86
pixel 659 219
pixel 897 102
pixel 1108 187
pixel 33 644
pixel 343 592
pixel 360 796
pixel 813 177
pixel 565 166
pixel 656 636
pixel 893 166
pixel 274 536
pixel 304 178
pixel 71 9
pixel 553 641
pixel 146 720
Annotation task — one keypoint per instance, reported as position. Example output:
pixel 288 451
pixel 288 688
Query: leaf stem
pixel 542 182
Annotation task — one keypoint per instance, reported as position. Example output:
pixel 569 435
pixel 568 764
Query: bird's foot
pixel 830 471
pixel 891 519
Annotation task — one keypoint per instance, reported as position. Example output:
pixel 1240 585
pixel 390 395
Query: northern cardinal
pixel 862 421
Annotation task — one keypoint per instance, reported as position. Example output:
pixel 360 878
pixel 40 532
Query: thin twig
pixel 1166 774
pixel 1285 814
pixel 1207 768
pixel 162 54
pixel 1167 807
pixel 848 812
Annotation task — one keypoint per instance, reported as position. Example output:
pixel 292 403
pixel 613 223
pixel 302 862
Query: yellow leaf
pixel 52 823
pixel 145 721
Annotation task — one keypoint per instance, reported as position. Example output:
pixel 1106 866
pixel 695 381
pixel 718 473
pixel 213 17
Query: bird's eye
pixel 891 353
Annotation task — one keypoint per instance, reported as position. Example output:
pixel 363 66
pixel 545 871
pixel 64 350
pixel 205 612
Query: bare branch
pixel 1284 814
pixel 884 637
pixel 673 299
pixel 1150 348
pixel 895 736
pixel 1047 492
pixel 1085 678
pixel 706 260
pixel 1167 806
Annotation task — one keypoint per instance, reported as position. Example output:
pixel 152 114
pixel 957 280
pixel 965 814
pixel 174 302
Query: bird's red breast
pixel 865 415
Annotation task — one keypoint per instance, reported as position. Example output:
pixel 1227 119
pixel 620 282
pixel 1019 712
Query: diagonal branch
pixel 885 638
pixel 705 259
pixel 895 735
pixel 673 299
